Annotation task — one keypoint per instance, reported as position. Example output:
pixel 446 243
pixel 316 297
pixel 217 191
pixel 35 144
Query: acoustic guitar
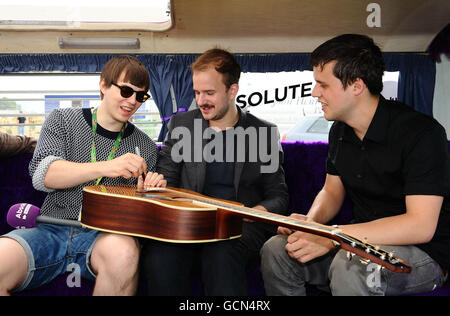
pixel 183 216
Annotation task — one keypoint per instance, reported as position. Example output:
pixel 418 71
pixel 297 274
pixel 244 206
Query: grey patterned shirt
pixel 67 135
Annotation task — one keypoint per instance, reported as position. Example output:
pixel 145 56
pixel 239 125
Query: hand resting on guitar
pixel 152 179
pixel 303 246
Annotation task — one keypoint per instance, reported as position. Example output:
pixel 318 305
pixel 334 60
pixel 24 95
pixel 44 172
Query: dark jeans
pixel 168 267
pixel 285 276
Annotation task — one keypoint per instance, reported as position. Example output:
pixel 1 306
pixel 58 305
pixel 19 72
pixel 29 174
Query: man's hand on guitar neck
pixel 287 231
pixel 303 246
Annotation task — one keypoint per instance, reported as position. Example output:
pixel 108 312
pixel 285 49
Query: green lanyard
pixel 116 143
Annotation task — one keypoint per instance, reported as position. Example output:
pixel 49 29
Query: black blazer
pixel 185 167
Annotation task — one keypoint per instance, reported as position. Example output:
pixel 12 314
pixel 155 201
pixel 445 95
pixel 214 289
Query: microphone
pixel 24 215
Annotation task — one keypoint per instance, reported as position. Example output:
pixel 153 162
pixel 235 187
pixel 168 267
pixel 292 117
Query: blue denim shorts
pixel 52 249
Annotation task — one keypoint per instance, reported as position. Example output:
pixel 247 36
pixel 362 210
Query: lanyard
pixel 116 143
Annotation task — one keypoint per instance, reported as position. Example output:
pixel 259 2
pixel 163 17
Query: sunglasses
pixel 126 92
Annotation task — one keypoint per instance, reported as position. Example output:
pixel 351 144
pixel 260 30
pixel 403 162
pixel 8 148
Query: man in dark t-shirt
pixel 394 164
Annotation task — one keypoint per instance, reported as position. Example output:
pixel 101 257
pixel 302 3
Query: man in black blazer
pixel 220 151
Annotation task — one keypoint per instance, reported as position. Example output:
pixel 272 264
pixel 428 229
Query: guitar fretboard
pixel 253 213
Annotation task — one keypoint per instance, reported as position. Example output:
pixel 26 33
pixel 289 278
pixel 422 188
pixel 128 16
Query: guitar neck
pixel 274 218
pixel 254 214
pixel 347 242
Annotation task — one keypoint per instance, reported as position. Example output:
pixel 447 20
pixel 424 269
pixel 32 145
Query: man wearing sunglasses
pixel 76 148
pixel 126 92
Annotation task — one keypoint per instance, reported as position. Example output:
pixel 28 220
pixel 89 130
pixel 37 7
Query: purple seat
pixel 305 174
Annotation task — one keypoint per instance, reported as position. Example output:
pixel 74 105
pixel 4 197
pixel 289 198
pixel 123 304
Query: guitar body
pixel 165 216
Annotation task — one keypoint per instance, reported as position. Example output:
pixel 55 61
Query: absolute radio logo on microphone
pixel 23 210
pixel 22 215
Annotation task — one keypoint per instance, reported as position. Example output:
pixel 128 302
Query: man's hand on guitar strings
pixel 152 179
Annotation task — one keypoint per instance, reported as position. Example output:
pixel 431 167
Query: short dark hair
pixel 135 72
pixel 222 61
pixel 356 56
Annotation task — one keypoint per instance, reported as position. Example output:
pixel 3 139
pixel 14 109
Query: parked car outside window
pixel 310 129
